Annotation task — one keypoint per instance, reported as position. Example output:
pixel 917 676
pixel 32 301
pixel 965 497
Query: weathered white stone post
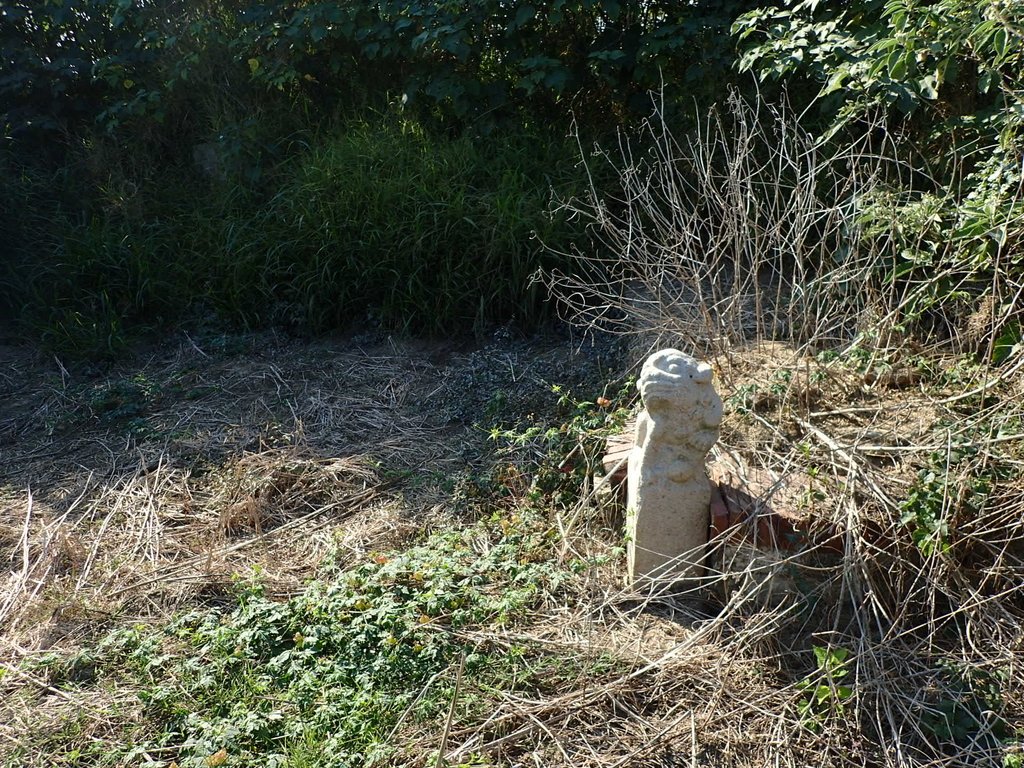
pixel 668 492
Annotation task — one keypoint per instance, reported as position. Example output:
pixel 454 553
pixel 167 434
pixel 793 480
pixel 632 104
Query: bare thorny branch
pixel 748 233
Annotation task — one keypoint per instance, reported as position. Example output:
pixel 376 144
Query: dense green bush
pixel 381 221
pixel 109 62
pixel 417 231
pixel 939 84
pixel 168 158
pixel 431 234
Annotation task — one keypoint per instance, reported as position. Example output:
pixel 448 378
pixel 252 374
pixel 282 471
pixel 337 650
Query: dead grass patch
pixel 714 677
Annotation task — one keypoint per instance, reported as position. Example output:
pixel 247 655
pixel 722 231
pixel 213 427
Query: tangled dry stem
pixel 742 243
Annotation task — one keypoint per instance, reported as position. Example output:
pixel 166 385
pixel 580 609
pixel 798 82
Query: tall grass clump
pixel 416 231
pixel 82 277
pixel 378 221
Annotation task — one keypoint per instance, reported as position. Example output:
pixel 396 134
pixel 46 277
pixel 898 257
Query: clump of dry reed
pixel 154 538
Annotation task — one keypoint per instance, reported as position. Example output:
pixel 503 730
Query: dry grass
pixel 148 542
pixel 658 677
pixel 210 466
pixel 716 674
pixel 902 451
pixel 221 477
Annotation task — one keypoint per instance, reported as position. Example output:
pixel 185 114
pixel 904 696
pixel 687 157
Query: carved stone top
pixel 681 402
pixel 667 515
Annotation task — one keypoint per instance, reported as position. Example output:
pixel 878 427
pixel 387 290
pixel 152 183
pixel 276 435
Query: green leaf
pixel 985 81
pixel 1008 341
pixel 1001 44
pixel 899 64
pixel 524 14
pixel 611 55
pixel 835 83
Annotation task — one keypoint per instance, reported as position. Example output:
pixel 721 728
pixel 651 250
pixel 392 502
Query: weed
pixel 824 695
pixel 925 509
pixel 742 399
pixel 780 382
pixel 940 497
pixel 561 455
pixel 757 395
pixel 969 697
pixel 326 677
pixel 122 399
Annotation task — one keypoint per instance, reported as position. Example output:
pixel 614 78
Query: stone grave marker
pixel 668 494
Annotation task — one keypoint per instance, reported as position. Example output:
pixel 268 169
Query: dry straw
pixel 744 243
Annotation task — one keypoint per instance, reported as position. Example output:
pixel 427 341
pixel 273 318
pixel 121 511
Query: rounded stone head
pixel 672 375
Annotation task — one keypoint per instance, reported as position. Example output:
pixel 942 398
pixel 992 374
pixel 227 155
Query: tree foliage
pixel 960 61
pixel 69 64
pixel 948 77
pixel 107 61
pixel 477 60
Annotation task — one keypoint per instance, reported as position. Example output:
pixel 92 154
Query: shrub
pixel 418 231
pixel 425 233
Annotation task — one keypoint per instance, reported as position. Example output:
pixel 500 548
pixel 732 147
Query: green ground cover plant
pixel 328 677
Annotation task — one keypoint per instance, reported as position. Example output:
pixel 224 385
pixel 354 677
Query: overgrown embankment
pixel 228 561
pixel 381 223
pixel 309 165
